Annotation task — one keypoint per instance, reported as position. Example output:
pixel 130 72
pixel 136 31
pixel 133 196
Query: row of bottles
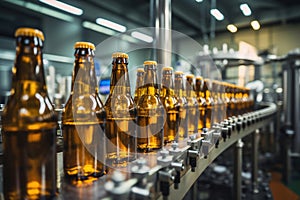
pixel 98 135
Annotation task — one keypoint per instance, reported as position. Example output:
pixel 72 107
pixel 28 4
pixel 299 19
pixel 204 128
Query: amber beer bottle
pixel 82 121
pixel 209 103
pixel 29 125
pixel 120 110
pixel 183 106
pixel 138 86
pixel 193 106
pixel 168 99
pixel 151 115
pixel 223 100
pixel 201 102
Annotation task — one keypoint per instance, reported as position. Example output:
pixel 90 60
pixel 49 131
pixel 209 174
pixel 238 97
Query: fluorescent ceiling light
pixel 232 28
pixel 255 25
pixel 217 14
pixel 41 9
pixel 63 6
pixel 142 36
pixel 96 27
pixel 245 9
pixel 110 24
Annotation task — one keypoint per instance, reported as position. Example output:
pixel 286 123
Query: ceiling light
pixel 96 27
pixel 199 1
pixel 255 25
pixel 110 24
pixel 41 9
pixel 142 36
pixel 245 9
pixel 232 28
pixel 217 14
pixel 63 6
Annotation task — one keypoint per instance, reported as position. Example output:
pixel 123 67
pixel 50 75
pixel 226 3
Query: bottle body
pixel 29 126
pixel 150 113
pixel 209 103
pixel 83 121
pixel 120 115
pixel 201 103
pixel 193 106
pixel 170 103
pixel 183 105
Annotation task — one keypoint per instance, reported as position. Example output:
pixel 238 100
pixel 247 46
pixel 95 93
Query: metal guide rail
pixel 171 172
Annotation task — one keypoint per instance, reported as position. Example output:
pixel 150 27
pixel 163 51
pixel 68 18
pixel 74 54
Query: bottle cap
pixel 150 62
pixel 84 45
pixel 189 76
pixel 167 68
pixel 31 32
pixel 119 55
pixel 140 70
pixel 178 72
pixel 199 78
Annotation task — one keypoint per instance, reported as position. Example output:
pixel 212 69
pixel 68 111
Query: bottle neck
pixel 84 79
pixel 28 70
pixel 139 81
pixel 190 92
pixel 179 87
pixel 150 81
pixel 198 87
pixel 167 85
pixel 119 81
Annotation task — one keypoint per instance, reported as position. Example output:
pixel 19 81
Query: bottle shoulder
pixel 26 110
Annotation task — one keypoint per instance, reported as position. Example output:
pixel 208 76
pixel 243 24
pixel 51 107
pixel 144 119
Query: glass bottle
pixel 193 106
pixel 201 102
pixel 138 86
pixel 168 99
pixel 183 106
pixel 83 119
pixel 29 125
pixel 151 114
pixel 209 103
pixel 223 100
pixel 121 111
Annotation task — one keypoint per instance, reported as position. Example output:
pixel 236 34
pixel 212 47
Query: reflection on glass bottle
pixel 150 112
pixel 82 121
pixel 183 106
pixel 193 106
pixel 209 103
pixel 201 102
pixel 168 99
pixel 29 125
pixel 138 86
pixel 121 111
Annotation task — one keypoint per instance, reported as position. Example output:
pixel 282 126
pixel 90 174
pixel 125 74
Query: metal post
pixel 163 37
pixel 237 188
pixel 255 139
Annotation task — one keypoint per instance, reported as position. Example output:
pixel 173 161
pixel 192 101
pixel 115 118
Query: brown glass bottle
pixel 151 114
pixel 120 110
pixel 170 103
pixel 223 100
pixel 82 122
pixel 138 86
pixel 29 125
pixel 209 103
pixel 201 102
pixel 193 106
pixel 183 106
